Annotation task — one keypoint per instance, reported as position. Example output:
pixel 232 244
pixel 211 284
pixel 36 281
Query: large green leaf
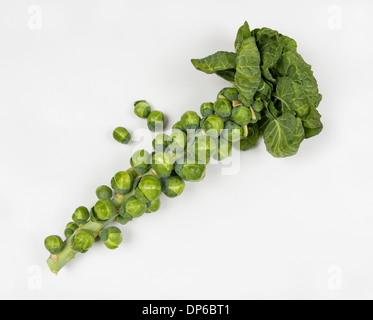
pixel 288 43
pixel 292 97
pixel 248 76
pixel 283 136
pixel 242 34
pixel 270 48
pixel 229 75
pixel 216 62
pixel 312 123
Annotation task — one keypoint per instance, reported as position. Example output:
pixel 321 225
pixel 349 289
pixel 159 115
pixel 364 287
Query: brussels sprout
pixel 148 188
pixel 161 142
pixel 153 206
pixel 241 115
pixel 213 126
pixel 53 244
pixel 155 121
pixel 191 172
pixel 104 193
pixel 178 125
pixel 190 120
pixel 123 220
pixel 202 148
pixel 178 140
pixel 112 237
pixel 207 109
pixel 122 135
pixel 83 241
pixel 224 150
pixel 172 186
pixel 223 108
pixel 230 94
pixel 140 161
pixel 104 209
pixel 81 216
pixel 232 131
pixel 142 109
pixel 70 229
pixel 163 164
pixel 133 207
pixel 258 106
pixel 122 182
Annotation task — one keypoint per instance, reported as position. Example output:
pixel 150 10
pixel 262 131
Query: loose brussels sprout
pixel 104 193
pixel 190 120
pixel 155 121
pixel 83 241
pixel 228 93
pixel 163 164
pixel 53 244
pixel 122 182
pixel 122 135
pixel 202 148
pixel 153 206
pixel 133 207
pixel 241 115
pixel 70 229
pixel 81 216
pixel 213 125
pixel 142 109
pixel 104 210
pixel 207 109
pixel 178 125
pixel 140 161
pixel 223 108
pixel 112 237
pixel 232 131
pixel 224 150
pixel 172 186
pixel 191 172
pixel 178 140
pixel 148 188
pixel 258 106
pixel 161 142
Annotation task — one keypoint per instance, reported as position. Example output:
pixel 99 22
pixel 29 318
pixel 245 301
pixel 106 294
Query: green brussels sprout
pixel 258 106
pixel 161 142
pixel 53 244
pixel 122 182
pixel 112 237
pixel 230 94
pixel 190 120
pixel 207 109
pixel 172 186
pixel 142 109
pixel 140 161
pixel 153 206
pixel 148 188
pixel 123 220
pixel 202 148
pixel 191 172
pixel 104 210
pixel 70 229
pixel 213 125
pixel 178 125
pixel 163 164
pixel 178 140
pixel 83 241
pixel 232 131
pixel 224 150
pixel 155 121
pixel 241 115
pixel 81 216
pixel 223 108
pixel 122 135
pixel 133 207
pixel 104 193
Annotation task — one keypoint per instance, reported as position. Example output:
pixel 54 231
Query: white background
pixel 296 228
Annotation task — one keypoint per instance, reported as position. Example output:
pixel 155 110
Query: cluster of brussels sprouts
pixel 177 157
